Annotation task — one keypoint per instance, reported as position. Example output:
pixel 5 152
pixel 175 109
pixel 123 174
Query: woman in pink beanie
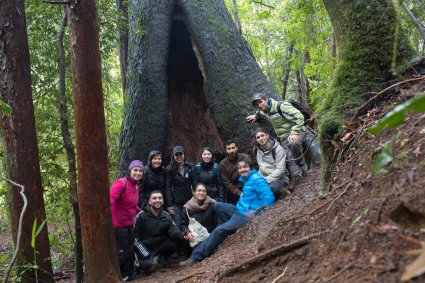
pixel 124 197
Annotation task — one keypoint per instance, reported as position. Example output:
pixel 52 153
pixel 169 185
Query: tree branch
pixel 414 20
pixel 21 218
pixel 56 2
pixel 270 253
pixel 261 3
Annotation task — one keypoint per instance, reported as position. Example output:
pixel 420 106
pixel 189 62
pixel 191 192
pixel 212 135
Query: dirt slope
pixel 370 222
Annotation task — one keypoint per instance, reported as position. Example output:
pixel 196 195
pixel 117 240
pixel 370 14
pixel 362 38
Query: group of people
pixel 152 205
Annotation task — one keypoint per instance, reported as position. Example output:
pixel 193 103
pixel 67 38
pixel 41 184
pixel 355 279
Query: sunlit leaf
pixel 384 158
pixel 396 116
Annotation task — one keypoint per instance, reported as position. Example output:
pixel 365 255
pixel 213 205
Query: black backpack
pixel 297 105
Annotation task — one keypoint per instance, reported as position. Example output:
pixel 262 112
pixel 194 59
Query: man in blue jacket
pixel 256 193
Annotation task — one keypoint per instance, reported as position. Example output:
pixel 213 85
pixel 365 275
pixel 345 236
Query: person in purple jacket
pixel 124 197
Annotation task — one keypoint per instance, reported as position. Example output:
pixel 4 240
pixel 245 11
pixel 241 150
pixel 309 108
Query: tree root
pixel 189 276
pixel 287 247
pixel 280 276
pixel 339 272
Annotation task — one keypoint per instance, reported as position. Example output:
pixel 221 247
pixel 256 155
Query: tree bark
pixel 70 153
pixel 100 255
pixel 190 78
pixel 365 36
pixel 122 27
pixel 287 70
pixel 21 150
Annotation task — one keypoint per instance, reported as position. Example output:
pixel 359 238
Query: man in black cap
pixel 179 184
pixel 288 123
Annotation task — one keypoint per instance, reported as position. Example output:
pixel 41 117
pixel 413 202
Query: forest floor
pixel 362 230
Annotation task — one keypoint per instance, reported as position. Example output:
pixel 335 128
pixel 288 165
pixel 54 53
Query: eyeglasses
pixel 201 191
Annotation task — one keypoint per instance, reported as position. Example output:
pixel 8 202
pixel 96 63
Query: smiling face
pixel 261 104
pixel 136 173
pixel 156 161
pixel 200 193
pixel 243 168
pixel 206 156
pixel 179 157
pixel 156 200
pixel 262 138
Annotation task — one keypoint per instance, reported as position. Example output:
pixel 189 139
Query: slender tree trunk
pixel 236 16
pixel 266 50
pixel 122 27
pixel 365 33
pixel 287 70
pixel 70 152
pixel 333 49
pixel 21 150
pixel 100 255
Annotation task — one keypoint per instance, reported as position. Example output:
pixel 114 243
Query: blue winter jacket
pixel 256 193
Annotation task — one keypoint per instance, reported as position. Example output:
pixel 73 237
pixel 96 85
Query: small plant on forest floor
pixel 385 157
pixel 359 217
pixel 34 265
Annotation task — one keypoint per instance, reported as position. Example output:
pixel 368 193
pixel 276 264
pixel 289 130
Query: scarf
pixel 193 204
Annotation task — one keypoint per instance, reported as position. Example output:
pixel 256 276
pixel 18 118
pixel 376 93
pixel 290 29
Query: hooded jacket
pixel 178 187
pixel 256 193
pixel 272 162
pixel 209 175
pixel 153 179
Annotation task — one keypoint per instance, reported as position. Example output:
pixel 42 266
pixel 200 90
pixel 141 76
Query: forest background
pixel 292 42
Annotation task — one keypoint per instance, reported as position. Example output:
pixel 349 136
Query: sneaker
pixel 163 262
pixel 187 262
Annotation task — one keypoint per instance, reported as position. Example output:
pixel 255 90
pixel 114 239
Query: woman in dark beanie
pixel 124 198
pixel 207 172
pixel 154 177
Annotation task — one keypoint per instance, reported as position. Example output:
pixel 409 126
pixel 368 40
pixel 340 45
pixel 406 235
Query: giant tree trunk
pixel 100 254
pixel 21 150
pixel 189 80
pixel 365 37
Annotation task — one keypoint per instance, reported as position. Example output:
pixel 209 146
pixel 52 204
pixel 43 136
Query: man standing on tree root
pixel 288 123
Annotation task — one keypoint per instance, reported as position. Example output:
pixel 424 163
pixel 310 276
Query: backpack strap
pixel 284 115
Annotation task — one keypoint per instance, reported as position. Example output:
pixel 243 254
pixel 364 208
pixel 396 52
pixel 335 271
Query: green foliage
pixel 385 157
pixel 36 231
pixel 397 116
pixel 4 108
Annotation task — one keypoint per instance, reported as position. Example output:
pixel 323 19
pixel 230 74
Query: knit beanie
pixel 136 163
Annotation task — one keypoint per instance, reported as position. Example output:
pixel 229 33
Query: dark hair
pixel 229 142
pixel 248 161
pixel 156 192
pixel 201 184
pixel 152 154
pixel 261 130
pixel 207 148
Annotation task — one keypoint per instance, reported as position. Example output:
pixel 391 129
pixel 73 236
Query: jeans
pixel 232 221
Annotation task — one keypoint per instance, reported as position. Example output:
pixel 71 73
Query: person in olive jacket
pixel 155 233
pixel 179 184
pixel 154 177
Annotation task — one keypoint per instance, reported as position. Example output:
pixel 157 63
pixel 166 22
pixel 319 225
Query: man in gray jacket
pixel 271 160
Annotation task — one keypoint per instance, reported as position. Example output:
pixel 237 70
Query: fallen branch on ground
pixel 280 276
pixel 319 207
pixel 270 254
pixel 189 276
pixel 340 272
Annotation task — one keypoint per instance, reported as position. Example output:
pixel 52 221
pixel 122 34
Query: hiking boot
pixel 163 262
pixel 187 262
